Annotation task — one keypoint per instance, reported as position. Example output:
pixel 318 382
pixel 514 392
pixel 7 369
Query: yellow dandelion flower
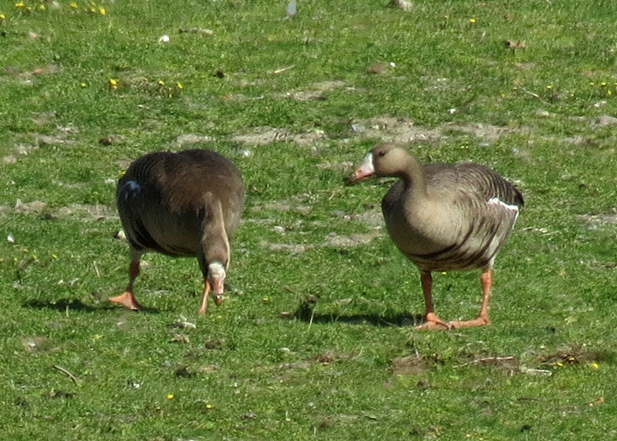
pixel 179 85
pixel 2 16
pixel 102 11
pixel 83 85
pixel 559 364
pixel 472 20
pixel 209 406
pixel 41 7
pixel 73 5
pixel 170 396
pixel 591 83
pixel 161 83
pixel 20 5
pixel 594 365
pixel 549 87
pixel 603 84
pixel 54 256
pixel 609 92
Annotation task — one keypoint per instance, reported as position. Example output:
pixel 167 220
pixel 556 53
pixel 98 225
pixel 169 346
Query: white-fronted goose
pixel 444 217
pixel 185 204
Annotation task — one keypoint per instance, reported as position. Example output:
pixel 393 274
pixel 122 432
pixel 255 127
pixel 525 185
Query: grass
pixel 291 102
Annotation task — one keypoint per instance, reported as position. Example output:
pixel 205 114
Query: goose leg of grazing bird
pixel 203 307
pixel 127 299
pixel 431 319
pixel 482 319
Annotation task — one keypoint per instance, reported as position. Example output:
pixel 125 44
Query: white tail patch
pixel 498 202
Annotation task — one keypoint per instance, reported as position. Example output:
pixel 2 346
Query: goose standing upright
pixel 444 217
pixel 185 204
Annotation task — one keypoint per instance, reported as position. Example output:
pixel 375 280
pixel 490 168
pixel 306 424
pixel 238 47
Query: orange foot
pixel 478 321
pixel 126 299
pixel 433 322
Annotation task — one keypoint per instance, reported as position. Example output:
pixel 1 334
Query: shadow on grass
pixel 76 305
pixel 399 320
pixel 306 312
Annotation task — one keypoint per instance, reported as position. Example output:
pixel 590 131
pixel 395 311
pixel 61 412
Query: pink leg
pixel 127 299
pixel 431 319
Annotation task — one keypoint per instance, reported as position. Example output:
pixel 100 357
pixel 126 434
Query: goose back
pixel 166 200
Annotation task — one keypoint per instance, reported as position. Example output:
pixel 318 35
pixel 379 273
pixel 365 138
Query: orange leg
pixel 127 299
pixel 482 319
pixel 431 319
pixel 203 307
pixel 218 298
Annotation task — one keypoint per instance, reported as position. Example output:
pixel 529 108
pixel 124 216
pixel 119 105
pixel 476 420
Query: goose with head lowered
pixel 444 217
pixel 185 204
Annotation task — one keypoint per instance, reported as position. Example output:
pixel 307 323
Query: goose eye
pixel 381 153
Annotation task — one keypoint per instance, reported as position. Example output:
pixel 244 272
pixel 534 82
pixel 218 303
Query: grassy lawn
pixel 316 339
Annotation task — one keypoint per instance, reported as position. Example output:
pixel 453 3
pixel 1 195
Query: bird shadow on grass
pixel 76 305
pixel 306 312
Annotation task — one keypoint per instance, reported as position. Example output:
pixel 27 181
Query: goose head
pixel 387 159
pixel 216 279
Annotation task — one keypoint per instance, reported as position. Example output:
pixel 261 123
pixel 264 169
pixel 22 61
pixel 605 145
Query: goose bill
pixel 363 172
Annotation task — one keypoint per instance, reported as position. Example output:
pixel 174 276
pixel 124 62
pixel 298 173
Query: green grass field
pixel 316 339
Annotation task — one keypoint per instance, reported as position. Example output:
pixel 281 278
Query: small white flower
pixel 164 39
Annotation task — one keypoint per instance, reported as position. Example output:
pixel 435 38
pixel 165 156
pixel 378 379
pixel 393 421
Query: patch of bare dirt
pixel 600 219
pixel 283 206
pixel 95 211
pixel 292 248
pixel 415 364
pixel 192 139
pixel 346 166
pixel 36 343
pixel 351 240
pixel 387 128
pixel 576 354
pixel 316 92
pixel 20 150
pixel 404 130
pixel 269 135
pixel 70 211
